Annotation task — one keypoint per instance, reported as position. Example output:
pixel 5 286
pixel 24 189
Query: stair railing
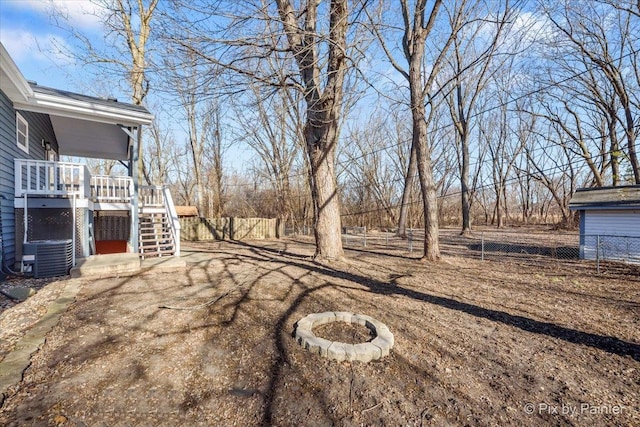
pixel 172 214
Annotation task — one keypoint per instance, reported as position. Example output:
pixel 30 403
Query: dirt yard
pixel 476 343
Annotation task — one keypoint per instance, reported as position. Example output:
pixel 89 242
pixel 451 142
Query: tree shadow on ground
pixel 608 344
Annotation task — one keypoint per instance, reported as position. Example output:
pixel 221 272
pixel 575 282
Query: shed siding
pixel 614 223
pixel 618 233
pixel 39 128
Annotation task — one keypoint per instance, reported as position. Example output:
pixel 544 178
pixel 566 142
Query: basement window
pixel 22 133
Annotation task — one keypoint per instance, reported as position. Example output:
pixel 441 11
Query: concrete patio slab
pixel 116 265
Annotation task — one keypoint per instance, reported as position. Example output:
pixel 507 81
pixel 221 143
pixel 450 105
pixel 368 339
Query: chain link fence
pixel 602 248
pixel 499 245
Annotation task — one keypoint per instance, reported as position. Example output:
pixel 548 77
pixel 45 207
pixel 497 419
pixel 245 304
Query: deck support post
pixel 134 158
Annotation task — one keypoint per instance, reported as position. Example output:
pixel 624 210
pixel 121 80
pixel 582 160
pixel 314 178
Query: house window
pixel 22 133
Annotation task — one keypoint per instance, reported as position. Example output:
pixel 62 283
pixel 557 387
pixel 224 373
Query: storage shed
pixel 609 222
pixel 187 211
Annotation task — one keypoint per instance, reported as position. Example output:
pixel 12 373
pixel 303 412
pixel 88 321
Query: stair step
pixel 161 251
pixel 155 255
pixel 156 247
pixel 156 233
pixel 155 239
pixel 155 227
pixel 154 244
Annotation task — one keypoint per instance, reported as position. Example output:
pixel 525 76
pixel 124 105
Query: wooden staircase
pixel 155 235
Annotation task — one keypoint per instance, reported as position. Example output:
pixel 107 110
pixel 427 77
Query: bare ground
pixel 476 343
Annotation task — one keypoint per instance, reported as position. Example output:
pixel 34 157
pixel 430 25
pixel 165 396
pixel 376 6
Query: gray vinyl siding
pixel 39 128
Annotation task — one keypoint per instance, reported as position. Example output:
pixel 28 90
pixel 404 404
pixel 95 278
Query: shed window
pixel 22 133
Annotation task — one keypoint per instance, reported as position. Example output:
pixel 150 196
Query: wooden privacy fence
pixel 194 229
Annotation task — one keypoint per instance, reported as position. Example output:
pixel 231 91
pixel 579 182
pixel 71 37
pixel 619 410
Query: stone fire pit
pixel 363 352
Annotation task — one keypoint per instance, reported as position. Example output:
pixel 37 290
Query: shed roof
pixel 621 197
pixel 187 210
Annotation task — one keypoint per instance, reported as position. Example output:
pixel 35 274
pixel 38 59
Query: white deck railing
pixel 47 178
pixel 152 196
pixel 111 188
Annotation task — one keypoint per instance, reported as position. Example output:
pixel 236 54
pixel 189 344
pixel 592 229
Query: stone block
pixel 366 352
pixel 305 324
pixel 343 316
pixel 383 344
pixel 302 335
pixel 318 319
pixel 350 352
pixel 317 345
pixel 336 351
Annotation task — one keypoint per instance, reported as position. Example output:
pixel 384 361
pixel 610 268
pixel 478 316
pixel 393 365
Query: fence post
pixel 598 253
pixel 410 240
pixel 482 246
pixel 365 237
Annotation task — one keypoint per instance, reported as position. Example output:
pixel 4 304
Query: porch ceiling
pixel 82 138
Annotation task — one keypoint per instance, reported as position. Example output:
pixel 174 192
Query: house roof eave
pixel 12 82
pixel 59 105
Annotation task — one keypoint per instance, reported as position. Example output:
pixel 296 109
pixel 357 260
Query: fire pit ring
pixel 363 352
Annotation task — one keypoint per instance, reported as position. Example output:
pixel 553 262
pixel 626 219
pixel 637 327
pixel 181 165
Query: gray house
pixel 609 222
pixel 54 212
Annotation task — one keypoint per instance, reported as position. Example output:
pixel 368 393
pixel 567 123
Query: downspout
pixel 136 190
pixel 134 143
pixel 25 218
pixel 3 265
pixel 73 231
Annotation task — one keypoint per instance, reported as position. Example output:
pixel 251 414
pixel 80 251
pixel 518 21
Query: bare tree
pixel 314 36
pixel 272 125
pixel 603 43
pixel 479 41
pixel 128 27
pixel 418 22
pixel 194 87
pixel 371 180
pixel 158 159
pixel 324 104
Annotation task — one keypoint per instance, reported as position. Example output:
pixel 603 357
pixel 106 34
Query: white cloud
pixel 533 27
pixel 18 43
pixel 24 46
pixel 84 14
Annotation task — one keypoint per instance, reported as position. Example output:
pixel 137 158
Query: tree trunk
pixel 425 174
pixel 327 227
pixel 464 186
pixel 406 194
pixel 498 214
pixel 323 113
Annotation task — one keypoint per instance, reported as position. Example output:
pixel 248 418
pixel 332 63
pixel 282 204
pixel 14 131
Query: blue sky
pixel 31 37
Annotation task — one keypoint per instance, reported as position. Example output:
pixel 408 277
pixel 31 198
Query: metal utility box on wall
pixel 51 257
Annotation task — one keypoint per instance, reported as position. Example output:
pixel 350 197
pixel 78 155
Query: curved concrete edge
pixel 362 352
pixel 16 362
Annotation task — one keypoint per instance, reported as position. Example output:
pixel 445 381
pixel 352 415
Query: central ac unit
pixel 50 257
